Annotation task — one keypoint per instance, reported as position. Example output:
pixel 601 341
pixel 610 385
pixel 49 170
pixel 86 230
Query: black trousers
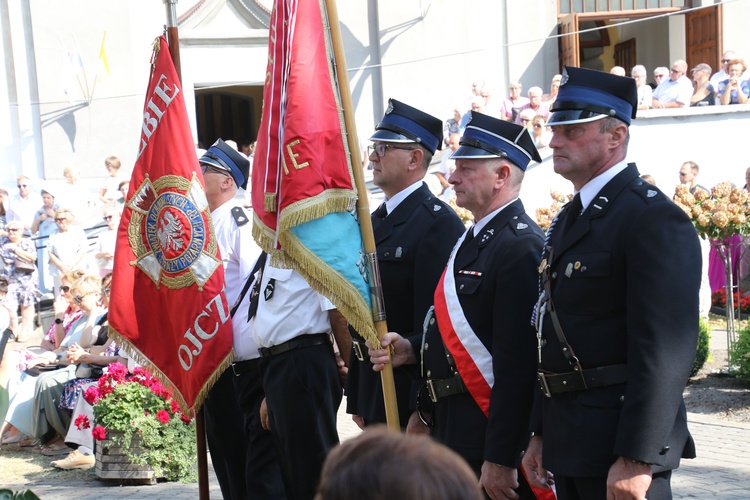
pixel 242 453
pixel 595 488
pixel 303 394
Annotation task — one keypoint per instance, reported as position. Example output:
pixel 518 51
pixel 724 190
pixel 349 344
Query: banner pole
pixel 363 209
pixel 173 38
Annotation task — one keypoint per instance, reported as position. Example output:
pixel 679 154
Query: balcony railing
pixel 587 6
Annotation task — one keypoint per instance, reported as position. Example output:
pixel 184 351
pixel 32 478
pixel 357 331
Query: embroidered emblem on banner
pixel 168 232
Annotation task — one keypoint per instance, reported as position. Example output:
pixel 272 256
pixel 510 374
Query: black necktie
pixel 572 213
pixel 381 212
pixel 255 291
pixel 378 216
pixel 467 240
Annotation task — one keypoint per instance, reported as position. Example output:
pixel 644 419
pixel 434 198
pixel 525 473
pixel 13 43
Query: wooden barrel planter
pixel 112 464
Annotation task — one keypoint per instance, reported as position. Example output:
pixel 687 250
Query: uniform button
pixel 461 287
pixel 432 321
pixel 387 254
pixel 622 398
pixel 429 373
pixel 664 450
pixel 554 275
pixel 426 346
pixel 583 269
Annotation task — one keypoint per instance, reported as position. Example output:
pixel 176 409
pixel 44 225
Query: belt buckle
pixel 543 382
pixel 431 390
pixel 358 350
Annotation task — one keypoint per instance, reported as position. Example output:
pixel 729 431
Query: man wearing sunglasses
pixel 414 233
pixel 675 91
pixel 242 452
pixel 24 204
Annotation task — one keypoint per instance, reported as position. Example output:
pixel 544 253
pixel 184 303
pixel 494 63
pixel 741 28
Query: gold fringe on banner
pixel 154 370
pixel 317 207
pixel 269 202
pixel 340 291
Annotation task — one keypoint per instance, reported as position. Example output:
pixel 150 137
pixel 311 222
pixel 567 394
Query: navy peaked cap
pixel 586 95
pixel 403 123
pixel 488 137
pixel 224 157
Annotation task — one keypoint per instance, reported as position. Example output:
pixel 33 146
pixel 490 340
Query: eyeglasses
pixel 64 289
pixel 105 290
pixel 675 71
pixel 78 299
pixel 61 219
pixel 525 120
pixel 205 168
pixel 13 229
pixel 22 186
pixel 381 149
pixel 107 218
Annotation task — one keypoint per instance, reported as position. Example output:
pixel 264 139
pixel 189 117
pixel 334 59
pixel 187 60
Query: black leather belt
pixel 360 350
pixel 240 367
pixel 603 376
pixel 441 389
pixel 295 343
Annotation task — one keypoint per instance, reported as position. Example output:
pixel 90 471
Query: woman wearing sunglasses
pixel 67 247
pixel 26 408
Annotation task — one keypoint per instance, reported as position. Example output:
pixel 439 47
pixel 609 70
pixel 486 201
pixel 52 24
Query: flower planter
pixel 112 464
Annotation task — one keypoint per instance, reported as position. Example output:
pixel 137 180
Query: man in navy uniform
pixel 414 233
pixel 478 351
pixel 242 452
pixel 618 313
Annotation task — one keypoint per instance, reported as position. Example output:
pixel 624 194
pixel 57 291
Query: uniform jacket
pixel 496 298
pixel 413 246
pixel 625 281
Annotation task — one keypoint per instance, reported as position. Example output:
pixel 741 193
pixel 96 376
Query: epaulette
pixel 519 226
pixel 240 217
pixel 647 191
pixel 434 206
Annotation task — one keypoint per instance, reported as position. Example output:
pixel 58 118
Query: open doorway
pixel 231 112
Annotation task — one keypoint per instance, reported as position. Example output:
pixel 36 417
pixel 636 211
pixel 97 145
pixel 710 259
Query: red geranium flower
pixel 99 433
pixel 162 416
pixel 91 395
pixel 82 422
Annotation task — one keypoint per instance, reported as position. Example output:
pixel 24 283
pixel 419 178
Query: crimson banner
pixel 167 305
pixel 303 193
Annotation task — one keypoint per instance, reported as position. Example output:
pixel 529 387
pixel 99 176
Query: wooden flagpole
pixel 363 208
pixel 173 38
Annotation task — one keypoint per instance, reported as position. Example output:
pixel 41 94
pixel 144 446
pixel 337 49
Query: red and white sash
pixel 473 360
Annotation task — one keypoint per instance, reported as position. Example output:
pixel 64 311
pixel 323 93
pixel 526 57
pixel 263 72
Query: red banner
pixel 168 306
pixel 303 184
pixel 301 151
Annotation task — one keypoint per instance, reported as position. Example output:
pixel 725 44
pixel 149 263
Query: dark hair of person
pixel 380 464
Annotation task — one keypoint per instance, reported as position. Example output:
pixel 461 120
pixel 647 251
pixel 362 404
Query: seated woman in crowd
pixel 733 90
pixel 19 257
pixel 26 403
pixel 57 400
pixel 539 133
pixel 66 313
